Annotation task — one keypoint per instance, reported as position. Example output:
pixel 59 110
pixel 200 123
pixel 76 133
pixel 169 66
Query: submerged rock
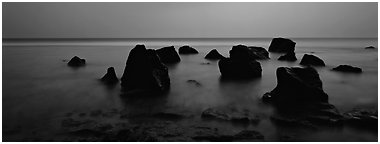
pixel 110 77
pixel 282 45
pixel 76 62
pixel 299 94
pixel 312 60
pixel 259 52
pixel 168 55
pixel 144 71
pixel 362 118
pixel 290 56
pixel 196 83
pixel 214 55
pixel 347 68
pixel 229 115
pixel 241 64
pixel 370 47
pixel 187 50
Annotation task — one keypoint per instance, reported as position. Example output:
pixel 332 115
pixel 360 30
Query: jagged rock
pixel 290 56
pixel 299 94
pixel 76 62
pixel 311 60
pixel 259 52
pixel 347 68
pixel 110 77
pixel 370 47
pixel 241 64
pixel 214 55
pixel 168 55
pixel 282 45
pixel 144 71
pixel 187 50
pixel 361 118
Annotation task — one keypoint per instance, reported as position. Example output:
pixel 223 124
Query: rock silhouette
pixel 241 64
pixel 300 95
pixel 110 77
pixel 168 55
pixel 282 45
pixel 76 62
pixel 259 52
pixel 290 56
pixel 214 55
pixel 347 68
pixel 144 71
pixel 311 60
pixel 187 50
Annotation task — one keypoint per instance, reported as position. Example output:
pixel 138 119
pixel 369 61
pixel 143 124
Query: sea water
pixel 39 88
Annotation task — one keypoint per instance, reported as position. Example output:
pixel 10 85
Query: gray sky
pixel 184 20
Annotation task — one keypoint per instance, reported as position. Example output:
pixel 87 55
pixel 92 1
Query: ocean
pixel 39 89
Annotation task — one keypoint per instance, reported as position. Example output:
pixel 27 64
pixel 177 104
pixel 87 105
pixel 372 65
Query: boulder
pixel 259 52
pixel 144 71
pixel 311 60
pixel 110 77
pixel 76 62
pixel 282 45
pixel 290 56
pixel 241 64
pixel 299 92
pixel 168 55
pixel 214 55
pixel 187 50
pixel 347 68
pixel 370 47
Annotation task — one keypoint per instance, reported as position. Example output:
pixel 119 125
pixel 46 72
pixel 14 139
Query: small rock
pixel 370 47
pixel 290 56
pixel 282 45
pixel 214 55
pixel 311 60
pixel 110 77
pixel 76 62
pixel 187 50
pixel 347 68
pixel 259 53
pixel 168 55
pixel 196 83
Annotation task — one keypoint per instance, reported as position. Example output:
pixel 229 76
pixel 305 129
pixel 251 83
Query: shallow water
pixel 39 88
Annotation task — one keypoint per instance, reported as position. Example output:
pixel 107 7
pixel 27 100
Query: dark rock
pixel 370 47
pixel 311 60
pixel 214 55
pixel 144 71
pixel 214 114
pixel 299 93
pixel 216 137
pixel 187 50
pixel 76 62
pixel 196 83
pixel 169 116
pixel 259 53
pixel 248 135
pixel 205 63
pixel 282 45
pixel 241 64
pixel 290 56
pixel 110 77
pixel 347 68
pixel 168 55
pixel 361 118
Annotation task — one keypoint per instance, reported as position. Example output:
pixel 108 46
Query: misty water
pixel 39 89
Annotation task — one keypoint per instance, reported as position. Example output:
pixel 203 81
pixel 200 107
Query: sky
pixel 189 20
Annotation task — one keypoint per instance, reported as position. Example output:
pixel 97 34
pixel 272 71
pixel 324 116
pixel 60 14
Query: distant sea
pixel 39 88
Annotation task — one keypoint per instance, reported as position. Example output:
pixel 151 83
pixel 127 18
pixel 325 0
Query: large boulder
pixel 214 55
pixel 311 60
pixel 187 50
pixel 76 62
pixel 241 64
pixel 290 56
pixel 282 45
pixel 144 71
pixel 110 77
pixel 259 52
pixel 168 55
pixel 299 97
pixel 347 68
